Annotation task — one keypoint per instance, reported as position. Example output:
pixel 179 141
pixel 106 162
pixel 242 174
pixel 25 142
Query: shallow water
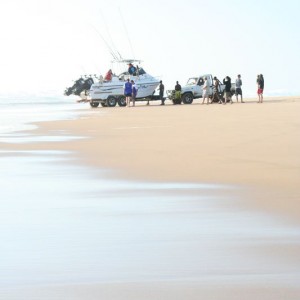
pixel 20 113
pixel 64 224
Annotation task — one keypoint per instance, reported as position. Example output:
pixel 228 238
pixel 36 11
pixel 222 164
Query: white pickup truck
pixel 193 89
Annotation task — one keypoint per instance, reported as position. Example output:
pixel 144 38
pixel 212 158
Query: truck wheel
pixel 94 104
pixel 111 101
pixel 122 101
pixel 187 98
pixel 103 104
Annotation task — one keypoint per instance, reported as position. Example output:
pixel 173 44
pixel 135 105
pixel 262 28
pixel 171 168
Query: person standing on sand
pixel 177 87
pixel 128 92
pixel 260 87
pixel 178 92
pixel 238 88
pixel 134 92
pixel 205 91
pixel 216 91
pixel 227 92
pixel 161 89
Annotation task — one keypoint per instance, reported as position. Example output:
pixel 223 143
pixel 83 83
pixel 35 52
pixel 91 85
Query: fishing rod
pixel 109 35
pixel 107 45
pixel 124 25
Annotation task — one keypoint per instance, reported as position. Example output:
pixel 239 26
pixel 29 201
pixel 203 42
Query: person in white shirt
pixel 205 91
pixel 238 88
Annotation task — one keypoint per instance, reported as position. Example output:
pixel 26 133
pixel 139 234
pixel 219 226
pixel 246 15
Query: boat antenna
pixel 124 25
pixel 110 38
pixel 107 45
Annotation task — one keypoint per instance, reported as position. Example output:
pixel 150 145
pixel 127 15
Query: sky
pixel 46 44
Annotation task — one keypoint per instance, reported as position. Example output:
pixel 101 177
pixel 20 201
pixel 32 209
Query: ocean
pixel 19 113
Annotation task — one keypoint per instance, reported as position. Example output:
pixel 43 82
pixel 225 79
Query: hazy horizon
pixel 47 44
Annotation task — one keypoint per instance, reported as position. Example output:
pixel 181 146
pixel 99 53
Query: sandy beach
pixel 253 147
pixel 251 144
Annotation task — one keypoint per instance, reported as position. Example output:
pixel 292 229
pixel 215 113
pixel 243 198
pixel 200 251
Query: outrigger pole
pixel 124 25
pixel 114 48
pixel 107 45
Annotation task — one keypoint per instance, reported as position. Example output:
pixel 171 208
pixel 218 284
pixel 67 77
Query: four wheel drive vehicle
pixel 193 90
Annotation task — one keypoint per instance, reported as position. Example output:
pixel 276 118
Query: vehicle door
pixel 210 83
pixel 198 87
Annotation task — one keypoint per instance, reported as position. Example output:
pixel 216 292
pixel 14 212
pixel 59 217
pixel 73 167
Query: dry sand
pixel 253 145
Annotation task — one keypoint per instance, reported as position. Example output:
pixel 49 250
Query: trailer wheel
pixel 94 104
pixel 187 98
pixel 122 101
pixel 111 101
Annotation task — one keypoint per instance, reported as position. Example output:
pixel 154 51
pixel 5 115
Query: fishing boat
pixel 111 92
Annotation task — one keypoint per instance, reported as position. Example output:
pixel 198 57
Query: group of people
pixel 132 70
pixel 227 90
pixel 130 92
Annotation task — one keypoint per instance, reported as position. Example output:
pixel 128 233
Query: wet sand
pixel 251 144
pixel 237 241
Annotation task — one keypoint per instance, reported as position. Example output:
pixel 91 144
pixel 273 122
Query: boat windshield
pixel 125 75
pixel 192 81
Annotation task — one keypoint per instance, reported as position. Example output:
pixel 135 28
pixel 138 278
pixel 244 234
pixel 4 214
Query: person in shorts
pixel 205 91
pixel 260 87
pixel 128 91
pixel 238 88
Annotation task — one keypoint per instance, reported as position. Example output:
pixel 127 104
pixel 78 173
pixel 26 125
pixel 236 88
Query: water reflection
pixel 61 223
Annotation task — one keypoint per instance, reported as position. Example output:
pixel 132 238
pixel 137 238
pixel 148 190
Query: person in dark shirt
pixel 260 87
pixel 131 69
pixel 178 93
pixel 262 81
pixel 177 87
pixel 161 89
pixel 216 91
pixel 227 92
pixel 128 91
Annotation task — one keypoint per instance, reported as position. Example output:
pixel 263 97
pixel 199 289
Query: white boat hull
pixel 146 85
